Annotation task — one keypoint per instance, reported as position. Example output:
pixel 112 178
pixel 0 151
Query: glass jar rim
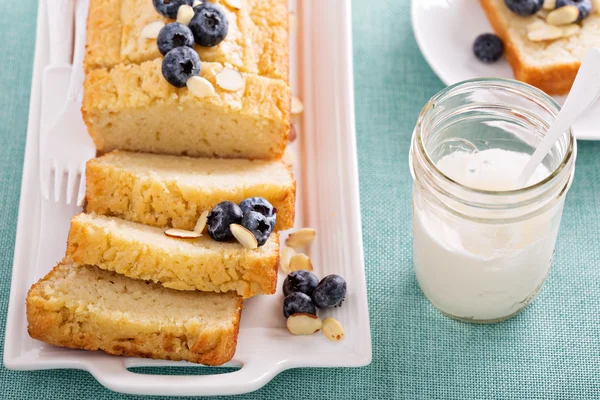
pixel 542 99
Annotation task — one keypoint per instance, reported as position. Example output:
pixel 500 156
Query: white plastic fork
pixel 66 146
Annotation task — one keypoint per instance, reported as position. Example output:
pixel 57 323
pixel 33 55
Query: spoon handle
pixel 583 94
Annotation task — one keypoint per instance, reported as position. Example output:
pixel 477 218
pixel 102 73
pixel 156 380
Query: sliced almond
pixel 201 223
pixel 244 236
pixel 299 262
pixel 570 30
pixel 563 16
pixel 230 79
pixel 284 262
pixel 196 3
pixel 234 3
pixel 200 87
pixel 535 25
pixel 151 30
pixel 542 14
pixel 596 6
pixel 547 32
pixel 301 238
pixel 303 324
pixel 297 106
pixel 182 234
pixel 185 14
pixel 549 4
pixel 332 329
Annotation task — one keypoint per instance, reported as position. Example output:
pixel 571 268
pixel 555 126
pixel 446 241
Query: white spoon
pixel 583 94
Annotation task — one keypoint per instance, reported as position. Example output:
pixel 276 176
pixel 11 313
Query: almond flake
pixel 234 3
pixel 332 329
pixel 201 223
pixel 563 16
pixel 570 30
pixel 293 134
pixel 182 234
pixel 303 324
pixel 200 87
pixel 301 238
pixel 596 6
pixel 299 262
pixel 185 14
pixel 297 106
pixel 151 30
pixel 196 3
pixel 284 262
pixel 230 79
pixel 244 236
pixel 549 4
pixel 547 32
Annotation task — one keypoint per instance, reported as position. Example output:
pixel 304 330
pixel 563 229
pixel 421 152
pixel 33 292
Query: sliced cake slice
pixel 144 252
pixel 169 191
pixel 84 307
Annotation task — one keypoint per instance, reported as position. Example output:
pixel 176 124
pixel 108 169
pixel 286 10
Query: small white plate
pixel 326 171
pixel 445 31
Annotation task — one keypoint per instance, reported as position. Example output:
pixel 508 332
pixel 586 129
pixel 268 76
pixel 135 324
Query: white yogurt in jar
pixel 478 271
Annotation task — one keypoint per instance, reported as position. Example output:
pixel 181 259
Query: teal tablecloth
pixel 552 350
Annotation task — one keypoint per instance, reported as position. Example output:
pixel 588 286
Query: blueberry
pixel 174 35
pixel 168 8
pixel 488 47
pixel 300 281
pixel 179 65
pixel 584 6
pixel 330 292
pixel 259 225
pixel 209 24
pixel 258 204
pixel 298 303
pixel 524 8
pixel 220 218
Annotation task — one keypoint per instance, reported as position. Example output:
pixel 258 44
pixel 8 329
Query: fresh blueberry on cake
pixel 220 218
pixel 524 8
pixel 169 8
pixel 174 35
pixel 179 65
pixel 209 24
pixel 258 225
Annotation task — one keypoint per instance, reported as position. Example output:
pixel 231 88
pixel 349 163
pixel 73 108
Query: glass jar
pixel 483 251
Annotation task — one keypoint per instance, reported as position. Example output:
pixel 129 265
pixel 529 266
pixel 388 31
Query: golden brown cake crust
pixel 115 191
pixel 553 79
pixel 257 40
pixel 66 327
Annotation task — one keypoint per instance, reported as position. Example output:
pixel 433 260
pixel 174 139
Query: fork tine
pixel 58 181
pixel 81 193
pixel 71 180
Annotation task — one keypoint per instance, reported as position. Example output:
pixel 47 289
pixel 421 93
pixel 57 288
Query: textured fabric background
pixel 552 350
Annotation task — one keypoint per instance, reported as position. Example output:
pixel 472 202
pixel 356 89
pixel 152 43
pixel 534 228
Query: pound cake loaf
pixel 550 65
pixel 168 191
pixel 144 252
pixel 243 113
pixel 84 307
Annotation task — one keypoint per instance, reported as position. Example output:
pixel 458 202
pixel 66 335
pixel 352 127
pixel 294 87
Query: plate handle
pixel 250 377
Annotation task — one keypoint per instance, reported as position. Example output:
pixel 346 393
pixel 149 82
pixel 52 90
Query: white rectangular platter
pixel 328 200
